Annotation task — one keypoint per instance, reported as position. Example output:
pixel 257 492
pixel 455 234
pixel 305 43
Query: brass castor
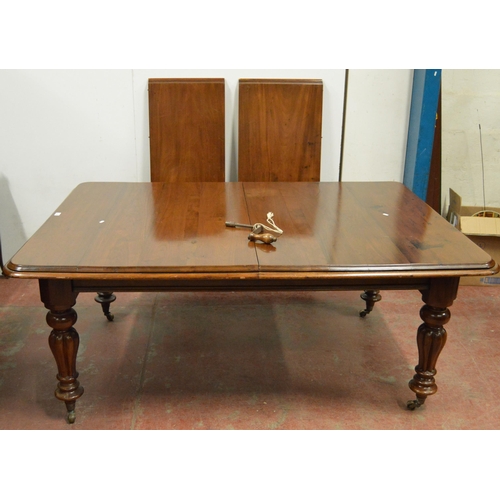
pixel 71 417
pixel 370 297
pixel 414 403
pixel 105 299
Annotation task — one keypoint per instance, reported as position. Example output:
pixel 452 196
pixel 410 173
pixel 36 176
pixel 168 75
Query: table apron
pixel 249 285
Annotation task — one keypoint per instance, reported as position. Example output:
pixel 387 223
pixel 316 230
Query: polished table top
pixel 345 229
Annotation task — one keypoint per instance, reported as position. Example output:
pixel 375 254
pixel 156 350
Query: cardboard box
pixel 482 226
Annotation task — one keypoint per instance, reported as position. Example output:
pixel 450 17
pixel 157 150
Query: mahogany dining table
pixel 109 237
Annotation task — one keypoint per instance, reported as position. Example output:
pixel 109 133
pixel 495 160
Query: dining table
pixel 110 238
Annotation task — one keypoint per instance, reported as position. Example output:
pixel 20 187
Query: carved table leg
pixel 105 299
pixel 63 340
pixel 431 337
pixel 370 297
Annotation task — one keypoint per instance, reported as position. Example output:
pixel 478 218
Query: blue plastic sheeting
pixel 424 103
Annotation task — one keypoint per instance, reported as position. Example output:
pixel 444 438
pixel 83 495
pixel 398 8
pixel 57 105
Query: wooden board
pixel 186 128
pixel 279 130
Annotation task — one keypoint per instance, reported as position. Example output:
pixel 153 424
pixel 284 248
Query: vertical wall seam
pixel 342 132
pixel 137 173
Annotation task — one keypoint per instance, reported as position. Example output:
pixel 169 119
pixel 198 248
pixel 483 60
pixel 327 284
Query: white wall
pixel 471 97
pixel 59 128
pixel 376 128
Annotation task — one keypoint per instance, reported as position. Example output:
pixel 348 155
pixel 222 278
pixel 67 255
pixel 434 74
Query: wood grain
pixel 186 128
pixel 357 226
pixel 279 136
pixel 360 231
pixel 143 227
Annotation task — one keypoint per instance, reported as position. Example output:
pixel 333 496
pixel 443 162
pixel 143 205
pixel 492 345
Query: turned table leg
pixel 370 297
pixel 59 298
pixel 105 299
pixel 431 337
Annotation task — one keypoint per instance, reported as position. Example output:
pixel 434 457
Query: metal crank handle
pixel 266 238
pixel 256 228
pixel 236 224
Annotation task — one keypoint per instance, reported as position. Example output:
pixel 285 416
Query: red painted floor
pixel 250 361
